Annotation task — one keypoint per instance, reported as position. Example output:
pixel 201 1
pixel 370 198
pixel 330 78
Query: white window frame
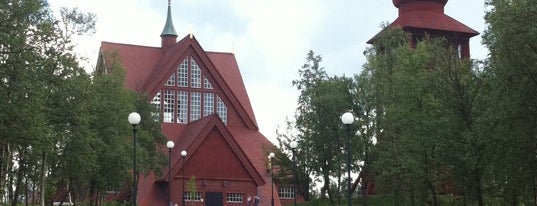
pixel 157 104
pixel 189 198
pixel 182 107
pixel 207 84
pixel 195 106
pixel 195 74
pixel 234 197
pixel 171 80
pixel 221 109
pixel 208 103
pixel 182 74
pixel 168 111
pixel 286 192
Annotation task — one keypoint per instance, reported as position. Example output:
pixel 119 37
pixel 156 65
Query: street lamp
pixel 134 119
pixel 271 157
pixel 170 145
pixel 348 119
pixel 183 154
pixel 293 146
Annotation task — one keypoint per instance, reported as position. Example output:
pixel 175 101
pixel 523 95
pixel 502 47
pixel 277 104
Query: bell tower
pixel 426 17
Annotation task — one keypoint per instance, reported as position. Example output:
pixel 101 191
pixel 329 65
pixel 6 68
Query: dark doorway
pixel 214 199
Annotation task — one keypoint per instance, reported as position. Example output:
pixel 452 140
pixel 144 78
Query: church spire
pixel 168 35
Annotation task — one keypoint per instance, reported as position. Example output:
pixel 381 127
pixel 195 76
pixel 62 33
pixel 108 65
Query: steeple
pixel 407 6
pixel 422 18
pixel 168 35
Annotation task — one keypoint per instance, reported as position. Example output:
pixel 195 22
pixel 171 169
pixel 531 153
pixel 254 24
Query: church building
pixel 205 110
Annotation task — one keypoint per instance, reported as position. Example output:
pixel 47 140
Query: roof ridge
pixel 133 45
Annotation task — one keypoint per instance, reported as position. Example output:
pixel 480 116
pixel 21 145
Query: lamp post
pixel 170 145
pixel 348 119
pixel 134 119
pixel 293 146
pixel 271 157
pixel 183 154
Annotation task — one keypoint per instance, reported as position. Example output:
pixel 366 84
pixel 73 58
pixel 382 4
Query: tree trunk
pixel 412 199
pixel 18 182
pixel 433 193
pixel 479 191
pixel 534 189
pixel 325 190
pixel 514 201
pixel 2 158
pixel 43 174
pixel 364 187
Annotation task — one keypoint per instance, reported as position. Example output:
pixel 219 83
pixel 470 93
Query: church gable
pixel 190 87
pixel 213 153
pixel 188 94
pixel 215 159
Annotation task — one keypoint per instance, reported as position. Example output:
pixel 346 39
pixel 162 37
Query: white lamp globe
pixel 170 144
pixel 293 145
pixel 134 118
pixel 347 118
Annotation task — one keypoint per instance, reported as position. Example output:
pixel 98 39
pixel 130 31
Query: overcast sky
pixel 270 38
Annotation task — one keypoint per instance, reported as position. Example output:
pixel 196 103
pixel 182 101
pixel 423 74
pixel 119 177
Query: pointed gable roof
pixel 197 132
pixel 147 68
pixel 227 67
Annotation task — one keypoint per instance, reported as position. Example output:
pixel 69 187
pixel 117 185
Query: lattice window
pixel 192 198
pixel 195 106
pixel 207 84
pixel 156 103
pixel 208 104
pixel 221 109
pixel 286 193
pixel 182 74
pixel 234 197
pixel 195 72
pixel 171 80
pixel 169 105
pixel 182 107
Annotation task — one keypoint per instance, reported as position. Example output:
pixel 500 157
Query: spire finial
pixel 169 30
pixel 190 30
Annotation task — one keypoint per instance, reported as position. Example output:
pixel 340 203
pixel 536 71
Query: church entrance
pixel 214 199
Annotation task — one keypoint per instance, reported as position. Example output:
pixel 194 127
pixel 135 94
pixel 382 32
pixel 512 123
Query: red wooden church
pixel 205 110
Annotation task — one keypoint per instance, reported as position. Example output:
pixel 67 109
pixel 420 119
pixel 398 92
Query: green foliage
pixel 440 124
pixel 55 120
pixel 318 128
pixel 512 87
pixel 191 185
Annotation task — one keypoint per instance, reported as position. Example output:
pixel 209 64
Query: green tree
pixel 55 120
pixel 512 84
pixel 428 108
pixel 319 130
pixel 40 79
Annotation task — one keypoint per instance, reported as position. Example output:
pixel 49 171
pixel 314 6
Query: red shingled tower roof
pixel 427 15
